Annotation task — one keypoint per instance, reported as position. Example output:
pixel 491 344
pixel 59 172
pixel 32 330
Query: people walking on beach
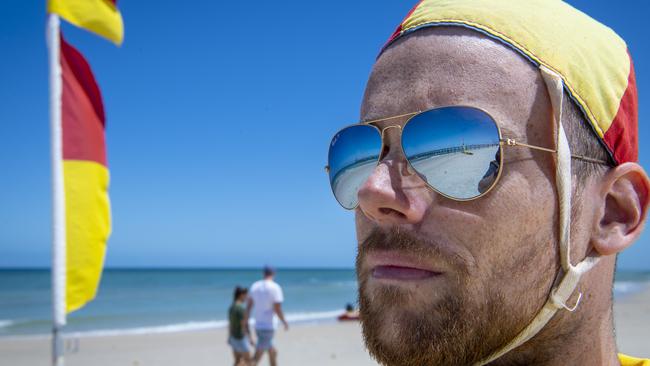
pixel 265 302
pixel 238 333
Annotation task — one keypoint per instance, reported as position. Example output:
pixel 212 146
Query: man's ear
pixel 621 209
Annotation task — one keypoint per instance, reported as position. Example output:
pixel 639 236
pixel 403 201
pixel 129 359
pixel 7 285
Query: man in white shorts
pixel 265 301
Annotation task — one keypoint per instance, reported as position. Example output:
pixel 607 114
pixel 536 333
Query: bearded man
pixel 494 180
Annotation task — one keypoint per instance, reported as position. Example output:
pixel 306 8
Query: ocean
pixel 136 301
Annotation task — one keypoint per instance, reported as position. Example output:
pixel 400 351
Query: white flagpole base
pixel 57 347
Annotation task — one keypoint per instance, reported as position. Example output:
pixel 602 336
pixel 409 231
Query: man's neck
pixel 588 345
pixel 583 337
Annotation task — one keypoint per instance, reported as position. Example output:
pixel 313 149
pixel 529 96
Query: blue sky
pixel 219 117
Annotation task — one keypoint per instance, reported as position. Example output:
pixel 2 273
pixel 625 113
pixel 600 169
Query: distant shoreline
pixel 301 318
pixel 143 301
pixel 314 318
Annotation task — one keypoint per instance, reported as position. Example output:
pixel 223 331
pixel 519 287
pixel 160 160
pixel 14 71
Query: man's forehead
pixel 438 67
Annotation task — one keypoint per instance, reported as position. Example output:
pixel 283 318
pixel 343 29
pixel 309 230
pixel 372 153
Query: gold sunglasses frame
pixel 503 142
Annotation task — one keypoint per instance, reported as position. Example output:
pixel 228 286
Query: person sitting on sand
pixel 521 272
pixel 350 313
pixel 238 333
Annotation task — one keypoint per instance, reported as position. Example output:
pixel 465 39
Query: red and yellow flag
pixel 98 16
pixel 85 178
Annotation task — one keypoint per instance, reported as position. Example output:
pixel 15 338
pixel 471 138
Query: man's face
pixel 442 281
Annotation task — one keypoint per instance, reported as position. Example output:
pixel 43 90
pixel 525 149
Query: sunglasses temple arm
pixel 513 142
pixel 590 160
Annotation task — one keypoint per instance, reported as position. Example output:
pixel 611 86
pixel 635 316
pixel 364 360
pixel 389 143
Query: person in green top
pixel 238 334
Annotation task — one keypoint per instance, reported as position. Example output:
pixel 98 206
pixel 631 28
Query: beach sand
pixel 632 323
pixel 323 344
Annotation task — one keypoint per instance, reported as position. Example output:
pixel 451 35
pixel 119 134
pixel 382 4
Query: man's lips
pixel 393 265
pixel 401 273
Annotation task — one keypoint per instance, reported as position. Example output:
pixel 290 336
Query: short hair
pixel 268 271
pixel 583 141
pixel 239 291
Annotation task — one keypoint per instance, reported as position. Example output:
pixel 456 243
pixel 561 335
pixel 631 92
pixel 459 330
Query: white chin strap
pixel 570 274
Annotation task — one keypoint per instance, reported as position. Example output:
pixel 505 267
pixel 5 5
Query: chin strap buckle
pixel 562 293
pixel 561 304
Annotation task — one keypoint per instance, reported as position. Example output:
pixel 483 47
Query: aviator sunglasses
pixel 456 150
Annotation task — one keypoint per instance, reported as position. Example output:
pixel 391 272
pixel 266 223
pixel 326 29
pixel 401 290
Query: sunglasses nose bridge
pixel 384 138
pixel 383 130
pixel 406 169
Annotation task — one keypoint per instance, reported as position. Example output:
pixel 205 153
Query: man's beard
pixel 459 329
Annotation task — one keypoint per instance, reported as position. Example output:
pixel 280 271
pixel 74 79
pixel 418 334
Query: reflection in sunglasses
pixel 456 171
pixel 491 175
pixel 349 179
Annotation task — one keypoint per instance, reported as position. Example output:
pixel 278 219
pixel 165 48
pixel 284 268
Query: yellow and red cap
pixel 592 59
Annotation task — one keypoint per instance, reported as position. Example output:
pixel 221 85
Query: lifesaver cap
pixel 593 61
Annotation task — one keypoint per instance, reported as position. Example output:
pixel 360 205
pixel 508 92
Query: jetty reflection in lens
pixel 455 149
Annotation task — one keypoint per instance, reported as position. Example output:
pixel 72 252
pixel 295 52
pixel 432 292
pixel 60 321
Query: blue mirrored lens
pixel 455 149
pixel 353 155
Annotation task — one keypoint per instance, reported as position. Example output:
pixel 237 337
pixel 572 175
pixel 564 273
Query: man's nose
pixel 394 194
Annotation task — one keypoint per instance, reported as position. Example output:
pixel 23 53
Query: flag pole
pixel 58 194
